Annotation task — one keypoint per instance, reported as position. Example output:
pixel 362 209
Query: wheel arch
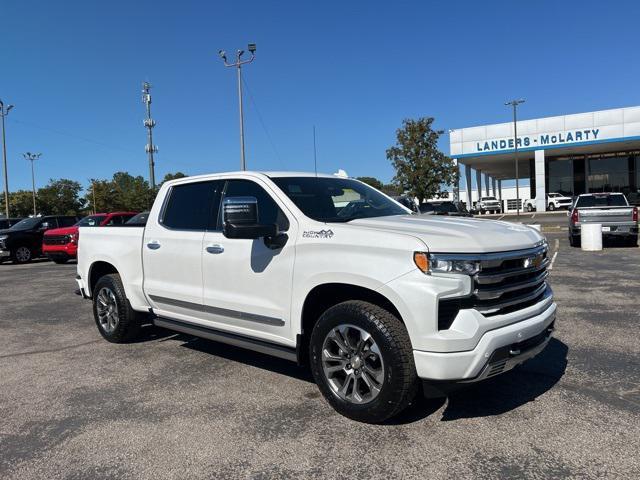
pixel 98 270
pixel 324 296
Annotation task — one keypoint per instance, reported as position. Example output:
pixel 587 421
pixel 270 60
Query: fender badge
pixel 317 234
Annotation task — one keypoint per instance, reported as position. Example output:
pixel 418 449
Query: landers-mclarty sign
pixel 539 140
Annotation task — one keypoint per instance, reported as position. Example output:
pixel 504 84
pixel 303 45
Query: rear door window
pixel 192 206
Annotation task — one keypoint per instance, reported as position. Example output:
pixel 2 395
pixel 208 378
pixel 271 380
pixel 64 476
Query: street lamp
pixel 514 104
pixel 4 111
pixel 238 64
pixel 32 157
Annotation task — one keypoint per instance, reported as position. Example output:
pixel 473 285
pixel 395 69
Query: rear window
pixel 601 201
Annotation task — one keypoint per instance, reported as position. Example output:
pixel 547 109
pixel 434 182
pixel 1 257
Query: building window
pixel 608 174
pixel 560 177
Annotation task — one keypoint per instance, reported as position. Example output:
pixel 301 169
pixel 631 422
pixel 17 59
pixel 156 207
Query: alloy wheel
pixel 352 364
pixel 107 308
pixel 23 254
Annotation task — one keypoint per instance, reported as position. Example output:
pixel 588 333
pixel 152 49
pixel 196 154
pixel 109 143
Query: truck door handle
pixel 215 249
pixel 154 245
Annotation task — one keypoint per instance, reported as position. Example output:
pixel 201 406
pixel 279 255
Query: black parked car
pixel 23 241
pixel 8 222
pixel 454 209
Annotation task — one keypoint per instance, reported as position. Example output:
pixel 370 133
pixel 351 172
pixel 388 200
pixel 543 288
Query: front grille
pixel 511 281
pixel 55 239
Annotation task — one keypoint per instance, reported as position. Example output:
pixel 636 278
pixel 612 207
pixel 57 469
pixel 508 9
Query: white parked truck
pixel 488 204
pixel 328 272
pixel 555 201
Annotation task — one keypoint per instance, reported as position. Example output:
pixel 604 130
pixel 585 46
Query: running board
pixel 241 341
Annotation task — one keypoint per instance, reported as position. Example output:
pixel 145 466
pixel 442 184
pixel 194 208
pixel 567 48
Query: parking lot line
pixel 555 254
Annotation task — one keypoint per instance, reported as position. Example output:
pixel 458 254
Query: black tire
pixel 632 241
pixel 400 380
pixel 529 208
pixel 60 261
pixel 552 207
pixel 21 254
pixel 129 321
pixel 574 240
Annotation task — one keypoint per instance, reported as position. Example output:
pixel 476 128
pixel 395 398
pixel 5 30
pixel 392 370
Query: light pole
pixel 4 111
pixel 149 123
pixel 32 157
pixel 514 104
pixel 238 64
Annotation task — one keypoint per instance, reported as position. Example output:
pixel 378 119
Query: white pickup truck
pixel 555 201
pixel 328 272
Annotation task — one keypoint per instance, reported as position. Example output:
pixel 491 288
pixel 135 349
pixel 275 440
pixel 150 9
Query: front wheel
pixel 117 322
pixel 529 208
pixel 552 207
pixel 362 361
pixel 60 260
pixel 22 255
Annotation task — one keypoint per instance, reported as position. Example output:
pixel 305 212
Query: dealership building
pixel 568 154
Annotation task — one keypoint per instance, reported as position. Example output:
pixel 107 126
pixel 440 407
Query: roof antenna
pixel 315 157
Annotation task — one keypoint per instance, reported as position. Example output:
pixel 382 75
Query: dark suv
pixel 23 241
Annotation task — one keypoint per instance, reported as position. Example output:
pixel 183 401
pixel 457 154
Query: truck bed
pixel 122 247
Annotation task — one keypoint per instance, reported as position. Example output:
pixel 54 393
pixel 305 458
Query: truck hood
pixel 61 231
pixel 444 234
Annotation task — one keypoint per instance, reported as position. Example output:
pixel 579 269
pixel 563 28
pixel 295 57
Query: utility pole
pixel 149 123
pixel 93 193
pixel 32 157
pixel 4 111
pixel 238 64
pixel 514 104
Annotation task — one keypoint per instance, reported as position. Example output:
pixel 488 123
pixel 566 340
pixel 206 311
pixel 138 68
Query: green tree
pixel 101 192
pixel 60 197
pixel 173 176
pixel 20 203
pixel 374 182
pixel 421 169
pixel 131 193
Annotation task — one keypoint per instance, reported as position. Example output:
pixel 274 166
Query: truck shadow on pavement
pixel 513 389
pixel 495 396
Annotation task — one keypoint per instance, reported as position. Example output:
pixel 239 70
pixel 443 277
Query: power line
pixel 262 123
pixel 71 135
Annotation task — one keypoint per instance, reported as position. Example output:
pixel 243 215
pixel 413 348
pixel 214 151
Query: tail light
pixel 635 214
pixel 574 216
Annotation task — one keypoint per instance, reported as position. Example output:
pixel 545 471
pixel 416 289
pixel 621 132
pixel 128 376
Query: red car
pixel 61 244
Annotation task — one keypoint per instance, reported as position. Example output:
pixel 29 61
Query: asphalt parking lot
pixel 73 406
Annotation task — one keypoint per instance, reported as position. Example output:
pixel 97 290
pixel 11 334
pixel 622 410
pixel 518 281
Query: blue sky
pixel 354 69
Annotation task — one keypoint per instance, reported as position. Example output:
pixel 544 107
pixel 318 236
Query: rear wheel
pixel 117 322
pixel 362 361
pixel 529 208
pixel 633 241
pixel 22 254
pixel 574 240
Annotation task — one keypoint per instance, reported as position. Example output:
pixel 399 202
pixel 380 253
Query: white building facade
pixel 569 154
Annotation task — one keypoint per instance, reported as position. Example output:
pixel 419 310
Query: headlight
pixel 4 237
pixel 445 264
pixel 442 264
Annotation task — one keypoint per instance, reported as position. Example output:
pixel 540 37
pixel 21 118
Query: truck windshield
pixel 27 223
pixel 337 199
pixel 90 221
pixel 601 201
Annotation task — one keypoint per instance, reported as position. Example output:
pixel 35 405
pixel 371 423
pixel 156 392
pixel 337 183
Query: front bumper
pixel 68 250
pixel 520 341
